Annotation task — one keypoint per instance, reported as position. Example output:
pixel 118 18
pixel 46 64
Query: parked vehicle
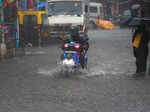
pixel 67 13
pixel 30 23
pixel 96 12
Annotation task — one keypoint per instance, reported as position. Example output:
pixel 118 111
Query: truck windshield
pixel 64 8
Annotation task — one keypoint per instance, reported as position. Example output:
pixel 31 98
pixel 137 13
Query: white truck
pixel 63 14
pixel 95 12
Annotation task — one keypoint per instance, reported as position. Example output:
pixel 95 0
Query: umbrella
pixel 41 5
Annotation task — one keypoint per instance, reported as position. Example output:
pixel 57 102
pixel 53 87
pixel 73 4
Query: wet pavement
pixel 33 83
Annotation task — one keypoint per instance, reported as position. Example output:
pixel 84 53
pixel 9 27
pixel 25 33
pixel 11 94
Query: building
pixel 115 7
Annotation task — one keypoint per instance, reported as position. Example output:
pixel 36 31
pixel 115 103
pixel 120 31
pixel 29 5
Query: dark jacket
pixel 142 50
pixel 145 36
pixel 77 38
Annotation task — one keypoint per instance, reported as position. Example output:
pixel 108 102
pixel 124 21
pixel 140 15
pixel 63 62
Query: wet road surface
pixel 33 83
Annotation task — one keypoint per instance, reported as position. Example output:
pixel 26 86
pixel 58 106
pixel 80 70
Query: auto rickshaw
pixel 30 25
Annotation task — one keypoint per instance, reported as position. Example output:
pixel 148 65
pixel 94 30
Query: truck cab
pixel 95 12
pixel 64 14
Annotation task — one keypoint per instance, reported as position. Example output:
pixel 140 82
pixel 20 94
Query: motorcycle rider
pixel 83 40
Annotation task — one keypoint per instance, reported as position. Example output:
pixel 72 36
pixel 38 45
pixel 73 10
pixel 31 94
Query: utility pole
pixel 17 34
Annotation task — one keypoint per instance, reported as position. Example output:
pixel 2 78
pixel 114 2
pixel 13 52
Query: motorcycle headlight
pixel 69 62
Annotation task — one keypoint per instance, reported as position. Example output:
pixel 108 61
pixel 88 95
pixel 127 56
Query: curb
pixel 14 52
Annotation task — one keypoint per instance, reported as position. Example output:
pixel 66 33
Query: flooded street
pixel 33 83
pixel 110 53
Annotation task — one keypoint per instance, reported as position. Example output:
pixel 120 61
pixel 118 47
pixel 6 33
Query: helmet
pixel 75 31
pixel 136 10
pixel 135 6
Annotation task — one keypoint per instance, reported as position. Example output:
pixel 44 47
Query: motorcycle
pixel 71 58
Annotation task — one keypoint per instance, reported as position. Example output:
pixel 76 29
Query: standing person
pixel 140 49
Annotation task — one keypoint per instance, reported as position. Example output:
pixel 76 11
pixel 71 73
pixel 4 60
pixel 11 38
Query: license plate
pixel 57 25
pixel 67 24
pixel 71 52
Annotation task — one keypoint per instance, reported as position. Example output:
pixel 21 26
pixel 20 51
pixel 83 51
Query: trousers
pixel 141 58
